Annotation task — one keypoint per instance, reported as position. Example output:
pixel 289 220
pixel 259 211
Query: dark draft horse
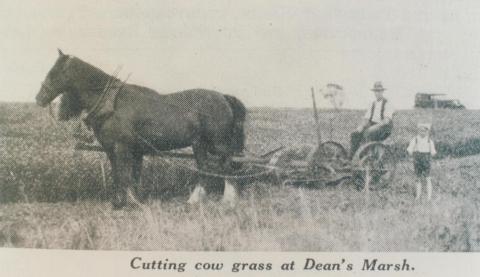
pixel 131 121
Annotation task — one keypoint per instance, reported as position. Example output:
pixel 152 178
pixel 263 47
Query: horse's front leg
pixel 200 153
pixel 123 176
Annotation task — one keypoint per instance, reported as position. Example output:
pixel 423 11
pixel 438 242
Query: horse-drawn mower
pixel 327 163
pixel 372 166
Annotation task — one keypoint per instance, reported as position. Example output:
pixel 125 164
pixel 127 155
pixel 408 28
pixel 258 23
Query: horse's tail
pixel 239 114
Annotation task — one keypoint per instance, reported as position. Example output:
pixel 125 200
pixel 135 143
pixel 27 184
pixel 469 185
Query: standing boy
pixel 422 149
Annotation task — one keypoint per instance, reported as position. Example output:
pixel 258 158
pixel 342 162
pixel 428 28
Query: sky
pixel 267 53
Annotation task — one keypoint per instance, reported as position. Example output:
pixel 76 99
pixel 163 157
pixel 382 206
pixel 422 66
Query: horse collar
pixel 105 104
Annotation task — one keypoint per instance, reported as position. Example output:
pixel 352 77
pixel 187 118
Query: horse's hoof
pixel 230 195
pixel 132 200
pixel 197 196
pixel 119 201
pixel 194 201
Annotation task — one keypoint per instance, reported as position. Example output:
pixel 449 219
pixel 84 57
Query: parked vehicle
pixel 436 101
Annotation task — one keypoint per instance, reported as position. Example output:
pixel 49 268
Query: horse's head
pixel 56 82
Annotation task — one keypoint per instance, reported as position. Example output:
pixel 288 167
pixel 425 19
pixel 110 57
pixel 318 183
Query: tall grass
pixel 321 221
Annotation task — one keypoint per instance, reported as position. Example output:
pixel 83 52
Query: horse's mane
pixel 96 76
pixel 142 89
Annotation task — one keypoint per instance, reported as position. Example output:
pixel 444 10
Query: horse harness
pixel 105 105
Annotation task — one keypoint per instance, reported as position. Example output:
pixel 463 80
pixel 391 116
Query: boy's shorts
pixel 421 164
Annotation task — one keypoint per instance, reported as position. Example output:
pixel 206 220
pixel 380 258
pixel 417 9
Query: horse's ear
pixel 60 53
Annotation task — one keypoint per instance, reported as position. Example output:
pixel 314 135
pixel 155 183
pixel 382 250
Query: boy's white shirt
pixel 422 145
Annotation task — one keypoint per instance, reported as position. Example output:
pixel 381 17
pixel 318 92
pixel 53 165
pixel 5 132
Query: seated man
pixel 377 123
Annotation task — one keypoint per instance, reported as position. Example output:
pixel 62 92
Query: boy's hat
pixel 424 126
pixel 378 87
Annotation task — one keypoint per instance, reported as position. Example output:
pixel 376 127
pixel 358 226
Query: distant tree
pixel 335 94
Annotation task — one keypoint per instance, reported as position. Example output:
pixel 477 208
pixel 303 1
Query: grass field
pixel 54 197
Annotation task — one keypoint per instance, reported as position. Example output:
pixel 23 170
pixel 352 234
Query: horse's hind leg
pixel 232 189
pixel 200 153
pixel 137 165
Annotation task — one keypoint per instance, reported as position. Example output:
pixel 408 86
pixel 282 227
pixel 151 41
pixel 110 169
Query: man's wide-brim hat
pixel 378 87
